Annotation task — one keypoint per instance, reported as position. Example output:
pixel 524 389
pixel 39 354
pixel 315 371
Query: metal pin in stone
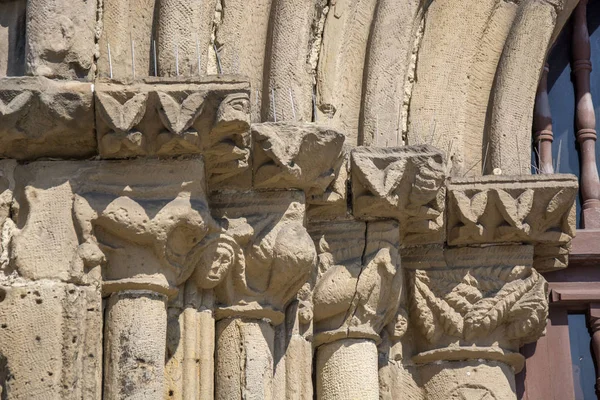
pixel 293 105
pixel 220 68
pixel 176 59
pixel 198 53
pixel 274 106
pixel 155 60
pixel 314 96
pixel 110 62
pixel 132 56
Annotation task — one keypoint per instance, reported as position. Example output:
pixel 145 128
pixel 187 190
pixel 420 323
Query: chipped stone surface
pixel 50 341
pixel 40 117
pixel 405 183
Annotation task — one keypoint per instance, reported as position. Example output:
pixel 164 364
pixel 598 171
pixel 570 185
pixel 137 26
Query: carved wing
pixel 178 118
pixel 16 104
pixel 473 208
pixel 122 117
pixel 515 210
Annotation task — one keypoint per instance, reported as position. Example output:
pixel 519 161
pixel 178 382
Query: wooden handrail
pixel 542 126
pixel 585 118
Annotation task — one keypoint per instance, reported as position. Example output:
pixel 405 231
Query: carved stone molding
pixel 405 183
pixel 170 117
pixel 485 304
pixel 535 209
pixel 40 117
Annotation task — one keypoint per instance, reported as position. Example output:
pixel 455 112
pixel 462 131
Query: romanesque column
pixel 150 237
pixel 357 293
pixel 269 258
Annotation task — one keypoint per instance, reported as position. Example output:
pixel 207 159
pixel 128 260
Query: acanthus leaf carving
pixel 471 304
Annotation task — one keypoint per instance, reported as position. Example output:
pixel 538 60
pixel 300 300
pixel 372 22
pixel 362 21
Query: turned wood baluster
pixel 542 126
pixel 585 119
pixel 594 326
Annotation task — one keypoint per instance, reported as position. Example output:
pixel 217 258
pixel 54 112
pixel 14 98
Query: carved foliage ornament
pixel 537 209
pixel 471 303
pixel 402 183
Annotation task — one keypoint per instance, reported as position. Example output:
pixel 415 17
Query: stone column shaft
pixel 347 369
pixel 244 361
pixel 135 340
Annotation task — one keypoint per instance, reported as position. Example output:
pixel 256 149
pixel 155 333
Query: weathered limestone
pixel 290 73
pixel 402 183
pixel 135 336
pixel 341 65
pixel 184 29
pixel 61 38
pixel 50 341
pixel 127 29
pixel 265 259
pixel 46 118
pixel 519 69
pixel 388 63
pixel 244 259
pixel 483 306
pixel 357 293
pixel 535 209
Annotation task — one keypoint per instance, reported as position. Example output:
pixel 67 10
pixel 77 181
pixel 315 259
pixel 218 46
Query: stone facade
pixel 273 199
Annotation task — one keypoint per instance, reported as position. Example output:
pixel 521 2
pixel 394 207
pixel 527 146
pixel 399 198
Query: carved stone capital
pixel 486 303
pixel 131 225
pixel 306 157
pixel 359 280
pixel 167 117
pixel 535 209
pixel 262 257
pixel 405 183
pixel 40 117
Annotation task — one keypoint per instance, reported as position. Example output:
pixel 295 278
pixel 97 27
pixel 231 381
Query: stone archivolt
pixel 187 251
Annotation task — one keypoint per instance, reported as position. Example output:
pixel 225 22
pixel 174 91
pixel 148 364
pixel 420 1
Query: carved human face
pixel 213 262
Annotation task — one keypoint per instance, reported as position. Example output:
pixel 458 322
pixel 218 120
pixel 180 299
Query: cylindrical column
pixel 585 119
pixel 468 380
pixel 542 126
pixel 60 38
pixel 134 346
pixel 184 30
pixel 244 362
pixel 347 369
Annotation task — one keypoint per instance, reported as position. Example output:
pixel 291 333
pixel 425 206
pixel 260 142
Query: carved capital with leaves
pixel 359 279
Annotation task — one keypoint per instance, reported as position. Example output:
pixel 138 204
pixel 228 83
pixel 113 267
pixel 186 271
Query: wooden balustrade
pixel 542 126
pixel 585 119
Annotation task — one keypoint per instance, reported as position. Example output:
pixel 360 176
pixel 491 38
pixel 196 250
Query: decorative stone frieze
pixel 405 183
pixel 177 117
pixel 40 117
pixel 535 209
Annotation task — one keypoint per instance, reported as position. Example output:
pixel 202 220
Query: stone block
pixel 46 118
